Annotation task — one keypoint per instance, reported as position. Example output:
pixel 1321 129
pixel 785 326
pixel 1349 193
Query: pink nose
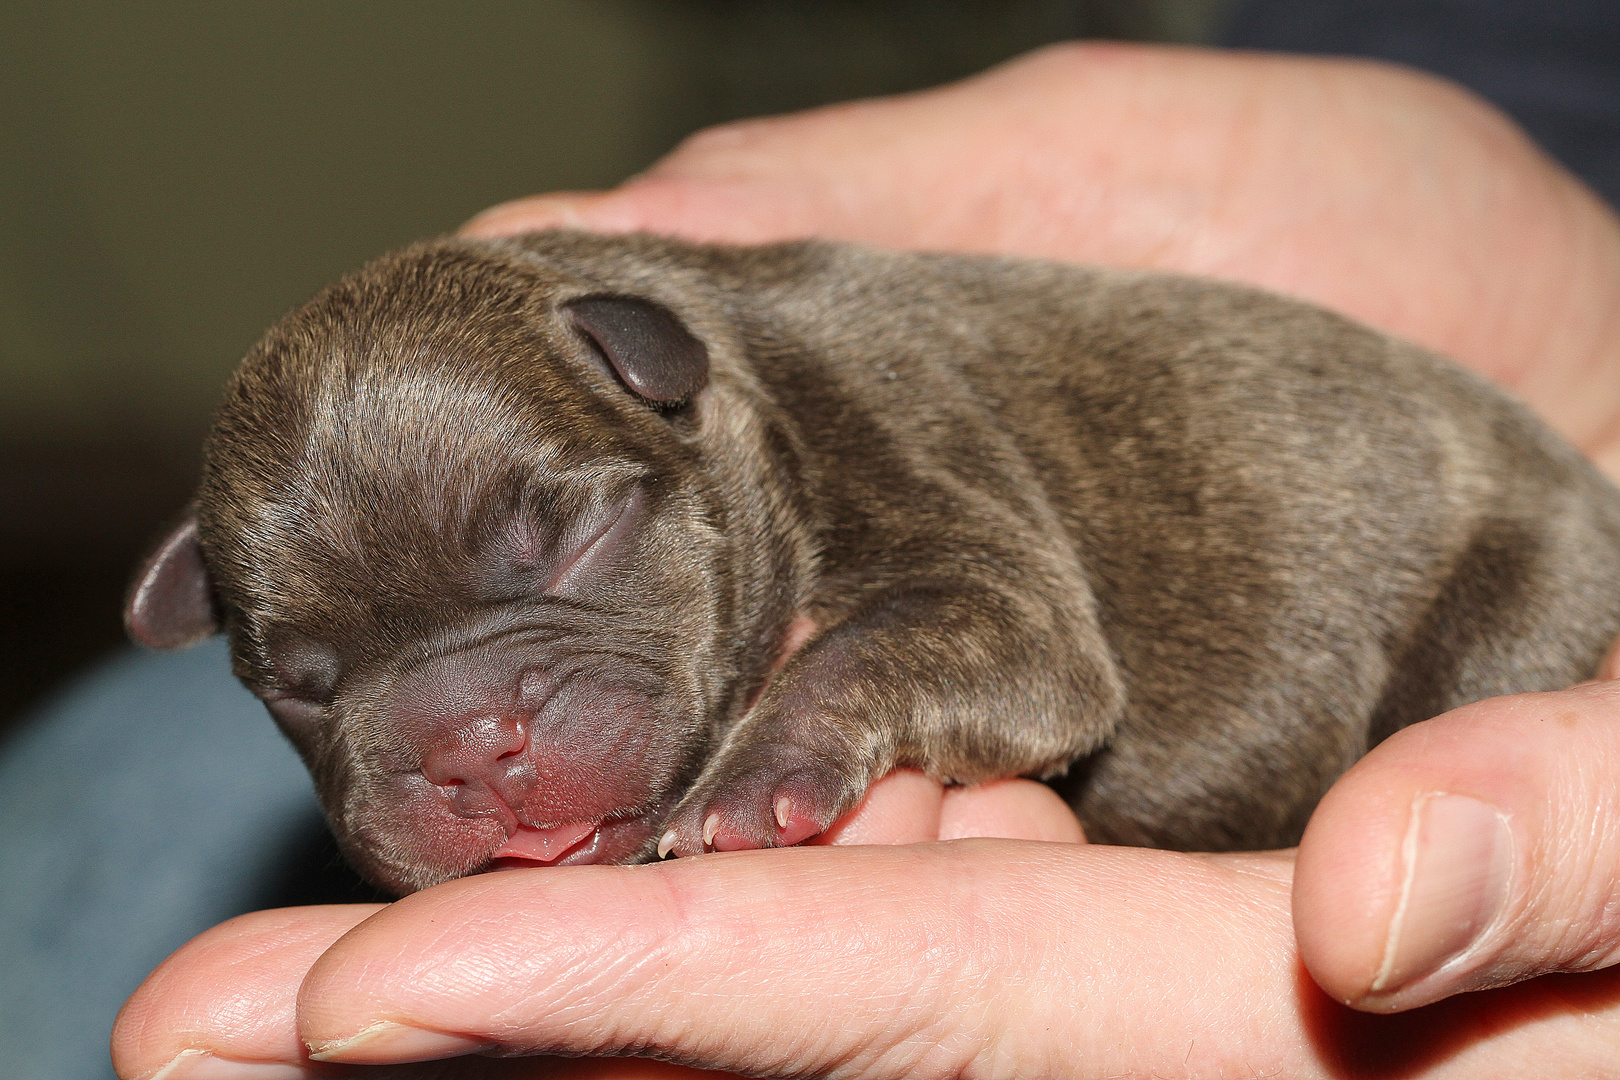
pixel 480 751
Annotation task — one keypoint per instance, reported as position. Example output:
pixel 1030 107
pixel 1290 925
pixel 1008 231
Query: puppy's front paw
pixel 772 794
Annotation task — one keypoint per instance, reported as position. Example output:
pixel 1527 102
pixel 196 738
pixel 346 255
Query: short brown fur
pixel 1184 548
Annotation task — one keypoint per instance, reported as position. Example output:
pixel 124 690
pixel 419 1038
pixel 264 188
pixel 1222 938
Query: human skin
pixel 1387 195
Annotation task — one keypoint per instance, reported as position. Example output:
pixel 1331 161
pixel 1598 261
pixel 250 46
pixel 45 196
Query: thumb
pixel 1472 850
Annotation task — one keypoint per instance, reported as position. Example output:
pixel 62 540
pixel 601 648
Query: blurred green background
pixel 175 175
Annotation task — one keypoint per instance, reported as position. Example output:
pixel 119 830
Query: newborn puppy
pixel 569 549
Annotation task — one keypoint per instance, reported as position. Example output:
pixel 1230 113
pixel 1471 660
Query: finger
pixel 553 210
pixel 224 1004
pixel 1013 809
pixel 901 808
pixel 927 960
pixel 719 210
pixel 223 1008
pixel 792 962
pixel 1472 850
pixel 907 807
pixel 926 170
pixel 188 1020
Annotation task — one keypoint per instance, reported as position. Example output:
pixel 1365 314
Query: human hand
pixel 1449 229
pixel 1382 193
pixel 948 959
pixel 1476 849
pixel 1386 194
pixel 227 1004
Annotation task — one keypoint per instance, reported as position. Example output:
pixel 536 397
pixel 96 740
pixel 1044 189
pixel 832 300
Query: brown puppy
pixel 511 537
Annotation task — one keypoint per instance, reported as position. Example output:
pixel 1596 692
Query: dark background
pixel 175 174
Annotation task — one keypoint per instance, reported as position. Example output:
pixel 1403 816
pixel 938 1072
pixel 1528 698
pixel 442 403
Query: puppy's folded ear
pixel 171 602
pixel 645 345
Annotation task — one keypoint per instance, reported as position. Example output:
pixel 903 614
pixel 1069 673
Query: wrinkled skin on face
pixel 428 521
pixel 544 715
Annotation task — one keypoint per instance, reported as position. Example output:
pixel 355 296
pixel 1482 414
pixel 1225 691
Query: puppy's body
pixel 512 534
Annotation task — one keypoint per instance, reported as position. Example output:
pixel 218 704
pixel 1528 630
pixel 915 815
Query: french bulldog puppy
pixel 568 549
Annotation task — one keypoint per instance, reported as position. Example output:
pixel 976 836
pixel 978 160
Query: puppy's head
pixel 459 522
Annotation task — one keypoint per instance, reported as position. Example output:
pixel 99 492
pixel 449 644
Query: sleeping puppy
pixel 570 549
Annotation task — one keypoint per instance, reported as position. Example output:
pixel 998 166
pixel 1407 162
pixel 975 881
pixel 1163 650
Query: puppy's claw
pixel 666 844
pixel 778 796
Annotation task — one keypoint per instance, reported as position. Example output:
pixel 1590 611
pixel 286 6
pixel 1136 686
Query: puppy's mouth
pixel 576 843
pixel 529 846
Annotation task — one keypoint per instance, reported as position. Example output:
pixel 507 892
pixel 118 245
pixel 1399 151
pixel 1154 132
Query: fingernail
pixel 386 1042
pixel 201 1065
pixel 1457 863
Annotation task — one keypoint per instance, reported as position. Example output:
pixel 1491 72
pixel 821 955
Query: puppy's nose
pixel 481 751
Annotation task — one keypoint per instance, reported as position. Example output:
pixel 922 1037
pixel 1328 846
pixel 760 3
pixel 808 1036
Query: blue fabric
pixel 143 805
pixel 1553 65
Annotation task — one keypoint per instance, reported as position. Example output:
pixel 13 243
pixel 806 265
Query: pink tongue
pixel 545 845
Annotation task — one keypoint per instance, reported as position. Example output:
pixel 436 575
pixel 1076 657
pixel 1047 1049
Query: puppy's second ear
pixel 646 345
pixel 170 601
